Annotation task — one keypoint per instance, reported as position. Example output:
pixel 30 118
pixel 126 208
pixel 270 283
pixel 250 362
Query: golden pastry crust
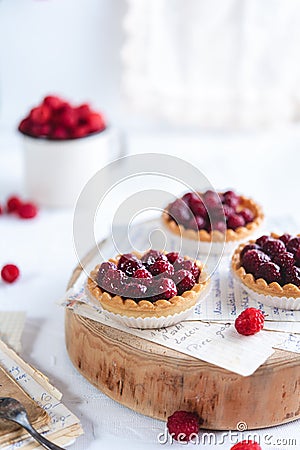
pixel 260 285
pixel 144 308
pixel 217 236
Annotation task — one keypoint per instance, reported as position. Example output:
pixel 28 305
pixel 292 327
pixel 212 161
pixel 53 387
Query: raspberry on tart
pixel 268 266
pixel 148 285
pixel 210 215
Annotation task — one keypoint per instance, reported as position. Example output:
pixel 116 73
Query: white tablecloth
pixel 265 166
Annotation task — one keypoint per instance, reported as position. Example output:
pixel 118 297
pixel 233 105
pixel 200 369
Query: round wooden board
pixel 156 381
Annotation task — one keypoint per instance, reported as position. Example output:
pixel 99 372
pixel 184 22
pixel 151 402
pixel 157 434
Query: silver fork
pixel 11 409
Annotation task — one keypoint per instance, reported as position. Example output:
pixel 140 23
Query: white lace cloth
pixel 214 63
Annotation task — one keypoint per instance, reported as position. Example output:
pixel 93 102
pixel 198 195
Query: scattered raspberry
pixel 293 245
pixel 13 204
pixel 273 246
pixel 270 272
pixel 151 256
pixel 284 260
pixel 285 238
pixel 184 281
pixel 10 273
pixel 183 425
pixel 249 322
pixel 260 241
pixel 249 247
pixel 246 445
pixel 162 267
pixel 292 275
pixel 235 221
pixel 253 259
pixel 28 211
pixel 142 273
pixel 247 215
pixel 174 256
pixel 129 263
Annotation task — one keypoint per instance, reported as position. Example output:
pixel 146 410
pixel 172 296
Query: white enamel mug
pixel 56 171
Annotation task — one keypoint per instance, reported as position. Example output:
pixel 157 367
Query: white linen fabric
pixel 211 63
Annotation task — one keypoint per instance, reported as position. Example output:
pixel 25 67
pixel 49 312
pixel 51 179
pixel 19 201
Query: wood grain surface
pixel 156 381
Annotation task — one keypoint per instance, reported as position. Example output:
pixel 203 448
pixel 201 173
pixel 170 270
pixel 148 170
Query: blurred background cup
pixel 56 171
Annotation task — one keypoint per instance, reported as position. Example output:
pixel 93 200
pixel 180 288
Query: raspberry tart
pixel 212 217
pixel 269 269
pixel 148 290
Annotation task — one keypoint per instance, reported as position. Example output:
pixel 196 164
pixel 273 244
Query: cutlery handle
pixel 41 439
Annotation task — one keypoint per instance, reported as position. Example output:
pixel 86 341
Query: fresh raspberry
pixel 53 102
pixel 1 210
pixel 284 260
pixel 249 247
pixel 136 291
pixel 129 263
pixel 249 322
pixel 228 210
pixel 28 211
pixel 83 112
pixel 189 197
pixel 184 281
pixel 151 256
pixel 211 199
pixel 297 257
pixel 114 282
pixel 142 273
pixel 235 221
pixel 285 238
pixel 219 225
pixel 174 257
pixel 247 215
pixel 162 267
pixel 25 126
pixel 262 240
pixel 293 245
pixel 196 223
pixel 198 208
pixel 270 272
pixel 273 246
pixel 246 445
pixel 66 116
pixel 183 425
pixel 165 288
pixel 188 265
pixel 40 115
pixel 180 212
pixel 95 122
pixel 80 132
pixel 231 199
pixel 13 204
pixel 292 275
pixel 59 133
pixel 10 273
pixel 103 269
pixel 253 259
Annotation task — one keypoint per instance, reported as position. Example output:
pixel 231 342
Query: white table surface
pixel 265 166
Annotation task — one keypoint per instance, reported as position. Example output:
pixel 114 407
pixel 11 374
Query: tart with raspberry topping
pixel 154 284
pixel 213 217
pixel 270 267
